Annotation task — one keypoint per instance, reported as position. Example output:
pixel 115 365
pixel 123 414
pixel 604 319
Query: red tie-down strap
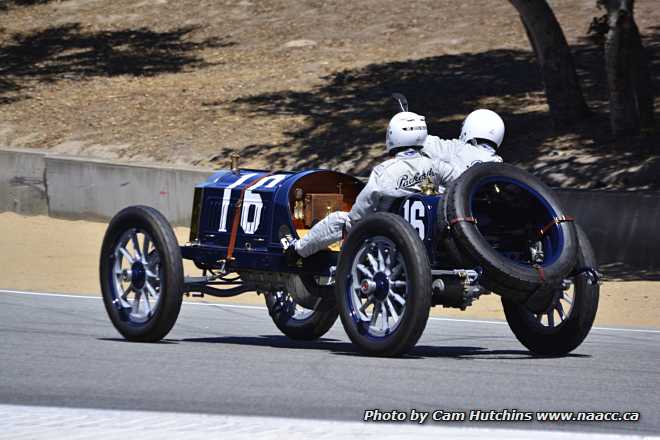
pixel 542 232
pixel 540 271
pixel 237 216
pixel 555 221
pixel 462 219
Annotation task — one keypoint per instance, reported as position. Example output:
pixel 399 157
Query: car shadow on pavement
pixel 336 346
pixel 162 341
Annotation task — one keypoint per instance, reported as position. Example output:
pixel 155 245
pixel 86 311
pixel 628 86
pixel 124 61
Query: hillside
pixel 188 82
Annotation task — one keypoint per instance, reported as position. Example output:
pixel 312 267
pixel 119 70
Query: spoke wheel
pixel 559 310
pixel 563 326
pixel 141 274
pixel 137 275
pixel 298 322
pixel 379 287
pixel 383 285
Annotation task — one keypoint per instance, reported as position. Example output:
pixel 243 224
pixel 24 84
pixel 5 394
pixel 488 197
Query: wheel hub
pixel 138 275
pixel 382 286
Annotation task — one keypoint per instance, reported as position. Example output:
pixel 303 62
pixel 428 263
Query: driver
pixel 481 135
pixel 399 176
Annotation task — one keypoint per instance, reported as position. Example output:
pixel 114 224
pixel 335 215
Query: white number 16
pixel 414 214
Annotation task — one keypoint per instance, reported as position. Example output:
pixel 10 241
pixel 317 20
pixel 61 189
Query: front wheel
pixel 563 326
pixel 141 274
pixel 383 285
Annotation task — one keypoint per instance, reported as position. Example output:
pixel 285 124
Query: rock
pixel 300 43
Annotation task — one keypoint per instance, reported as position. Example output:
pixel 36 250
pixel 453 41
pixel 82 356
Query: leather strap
pixel 463 219
pixel 237 216
pixel 555 221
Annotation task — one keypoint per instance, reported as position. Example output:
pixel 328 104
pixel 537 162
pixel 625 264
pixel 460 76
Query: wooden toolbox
pixel 318 206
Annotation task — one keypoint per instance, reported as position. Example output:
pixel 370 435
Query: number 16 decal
pixel 414 214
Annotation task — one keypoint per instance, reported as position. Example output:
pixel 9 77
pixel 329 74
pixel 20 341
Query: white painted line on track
pixel 41 422
pixel 242 306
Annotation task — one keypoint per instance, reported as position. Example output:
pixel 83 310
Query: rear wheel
pixel 563 326
pixel 141 274
pixel 383 285
pixel 298 322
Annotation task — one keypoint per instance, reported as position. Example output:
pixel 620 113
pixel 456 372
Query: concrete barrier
pixel 622 226
pixel 94 189
pixel 23 182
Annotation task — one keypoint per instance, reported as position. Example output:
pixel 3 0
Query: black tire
pixel 165 259
pixel 570 333
pixel 414 313
pixel 281 308
pixel 467 246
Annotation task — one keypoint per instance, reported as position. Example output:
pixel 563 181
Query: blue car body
pixel 266 214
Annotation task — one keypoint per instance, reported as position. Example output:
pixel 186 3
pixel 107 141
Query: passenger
pixel 399 176
pixel 481 135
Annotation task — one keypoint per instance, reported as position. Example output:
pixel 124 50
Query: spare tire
pixel 493 215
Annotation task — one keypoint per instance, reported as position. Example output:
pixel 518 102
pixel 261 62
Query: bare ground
pixel 50 255
pixel 301 85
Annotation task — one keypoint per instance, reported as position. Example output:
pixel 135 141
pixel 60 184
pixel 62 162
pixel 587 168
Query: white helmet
pixel 483 124
pixel 406 129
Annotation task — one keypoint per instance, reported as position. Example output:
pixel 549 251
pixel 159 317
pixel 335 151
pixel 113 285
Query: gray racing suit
pixel 392 179
pixel 460 155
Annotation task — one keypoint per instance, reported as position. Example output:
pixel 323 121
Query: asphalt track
pixel 62 351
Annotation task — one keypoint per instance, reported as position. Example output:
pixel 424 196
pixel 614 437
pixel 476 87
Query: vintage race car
pixel 495 229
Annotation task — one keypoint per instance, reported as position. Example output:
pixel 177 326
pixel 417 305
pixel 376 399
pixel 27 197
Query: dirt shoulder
pixel 49 255
pixel 301 85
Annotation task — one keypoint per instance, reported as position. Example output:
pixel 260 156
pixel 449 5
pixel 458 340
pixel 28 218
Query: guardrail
pixel 621 225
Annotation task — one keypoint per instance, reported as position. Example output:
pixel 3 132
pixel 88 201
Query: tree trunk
pixel 643 83
pixel 553 55
pixel 628 76
pixel 619 56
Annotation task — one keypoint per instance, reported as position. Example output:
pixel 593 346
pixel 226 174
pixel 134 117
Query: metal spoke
pixel 567 298
pixel 398 298
pixel 126 254
pixel 396 270
pixel 146 300
pixel 136 300
pixel 145 248
pixel 367 303
pixel 399 283
pixel 136 244
pixel 372 262
pixel 362 268
pixel 539 317
pixel 381 261
pixel 125 293
pixel 560 310
pixel 374 317
pixel 384 322
pixel 392 310
pixel 150 289
pixel 551 318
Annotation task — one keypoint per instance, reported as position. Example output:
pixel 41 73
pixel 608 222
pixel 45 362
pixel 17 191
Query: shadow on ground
pixel 345 348
pixel 346 116
pixel 626 272
pixel 6 4
pixel 68 52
